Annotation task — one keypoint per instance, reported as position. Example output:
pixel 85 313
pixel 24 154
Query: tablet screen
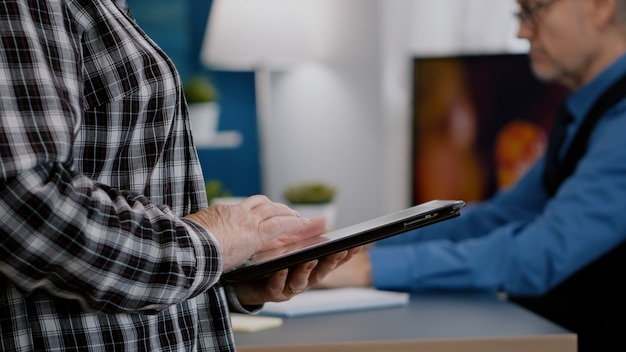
pixel 265 263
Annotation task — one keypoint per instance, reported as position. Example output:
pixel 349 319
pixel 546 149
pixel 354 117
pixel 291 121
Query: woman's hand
pixel 284 284
pixel 356 273
pixel 253 225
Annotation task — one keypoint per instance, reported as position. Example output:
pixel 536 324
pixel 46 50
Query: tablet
pixel 265 263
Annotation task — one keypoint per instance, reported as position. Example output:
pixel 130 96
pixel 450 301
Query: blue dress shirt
pixel 521 241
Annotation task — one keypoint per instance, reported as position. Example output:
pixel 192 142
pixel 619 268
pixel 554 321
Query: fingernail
pixel 311 265
pixel 343 256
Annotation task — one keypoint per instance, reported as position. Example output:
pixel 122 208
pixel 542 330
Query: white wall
pixel 326 117
pixel 347 120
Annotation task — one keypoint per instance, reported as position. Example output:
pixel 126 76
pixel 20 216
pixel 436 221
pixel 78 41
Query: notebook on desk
pixel 266 263
pixel 335 300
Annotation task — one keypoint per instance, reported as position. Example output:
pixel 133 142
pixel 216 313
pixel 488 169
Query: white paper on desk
pixel 253 323
pixel 335 300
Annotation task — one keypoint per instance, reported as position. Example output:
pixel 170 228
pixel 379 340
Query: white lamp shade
pixel 243 34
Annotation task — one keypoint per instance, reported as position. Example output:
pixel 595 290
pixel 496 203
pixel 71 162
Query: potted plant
pixel 312 199
pixel 201 97
pixel 215 190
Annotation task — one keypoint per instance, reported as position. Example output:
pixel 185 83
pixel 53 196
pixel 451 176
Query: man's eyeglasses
pixel 529 14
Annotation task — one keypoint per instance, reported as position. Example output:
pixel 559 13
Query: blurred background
pixel 387 101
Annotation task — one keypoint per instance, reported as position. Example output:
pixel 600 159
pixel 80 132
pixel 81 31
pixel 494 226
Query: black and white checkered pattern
pixel 97 165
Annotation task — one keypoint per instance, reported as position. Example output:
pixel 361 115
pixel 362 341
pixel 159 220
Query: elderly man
pixel 554 242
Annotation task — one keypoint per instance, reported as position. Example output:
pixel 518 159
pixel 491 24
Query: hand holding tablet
pixel 265 263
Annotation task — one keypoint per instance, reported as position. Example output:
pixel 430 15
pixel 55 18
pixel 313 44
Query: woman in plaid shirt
pixel 105 241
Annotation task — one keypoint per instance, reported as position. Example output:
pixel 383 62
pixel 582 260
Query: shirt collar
pixel 581 101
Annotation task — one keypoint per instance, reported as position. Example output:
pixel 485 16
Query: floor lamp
pixel 263 36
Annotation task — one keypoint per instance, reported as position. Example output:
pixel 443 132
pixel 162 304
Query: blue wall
pixel 178 27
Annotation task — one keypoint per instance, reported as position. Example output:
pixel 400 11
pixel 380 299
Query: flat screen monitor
pixel 479 122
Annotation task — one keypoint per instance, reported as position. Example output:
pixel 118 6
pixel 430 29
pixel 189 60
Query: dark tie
pixel 551 177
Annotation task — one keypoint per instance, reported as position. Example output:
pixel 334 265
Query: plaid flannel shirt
pixel 97 166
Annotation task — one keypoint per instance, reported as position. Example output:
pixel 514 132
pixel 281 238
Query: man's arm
pixel 533 253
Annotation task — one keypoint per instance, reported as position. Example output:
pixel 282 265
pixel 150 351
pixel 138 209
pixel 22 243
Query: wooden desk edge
pixel 542 343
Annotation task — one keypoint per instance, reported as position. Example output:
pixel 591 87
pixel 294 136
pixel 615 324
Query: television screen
pixel 479 122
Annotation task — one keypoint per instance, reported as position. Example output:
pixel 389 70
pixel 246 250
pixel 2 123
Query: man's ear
pixel 603 11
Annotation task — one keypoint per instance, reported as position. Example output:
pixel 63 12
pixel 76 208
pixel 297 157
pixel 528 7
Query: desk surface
pixel 468 322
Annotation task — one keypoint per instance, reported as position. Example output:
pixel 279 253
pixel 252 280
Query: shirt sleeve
pixel 111 249
pixel 236 306
pixel 520 241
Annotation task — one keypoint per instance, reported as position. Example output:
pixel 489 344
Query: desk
pixel 430 323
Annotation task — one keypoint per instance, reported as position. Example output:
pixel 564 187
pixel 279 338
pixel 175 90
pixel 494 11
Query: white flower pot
pixel 204 122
